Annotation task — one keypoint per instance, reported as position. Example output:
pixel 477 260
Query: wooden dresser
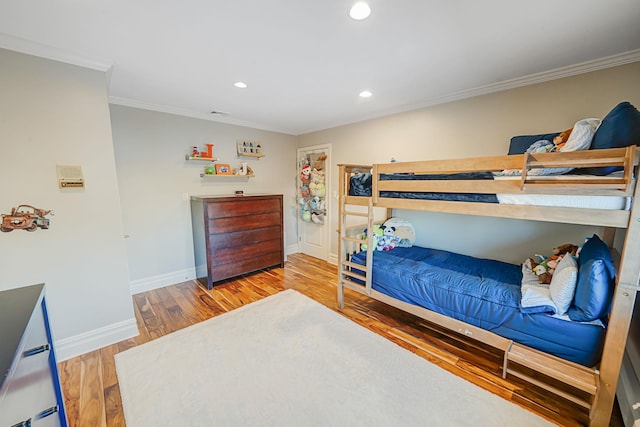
pixel 30 393
pixel 234 235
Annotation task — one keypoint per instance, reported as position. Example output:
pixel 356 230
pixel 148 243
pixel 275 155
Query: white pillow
pixel 404 231
pixel 563 283
pixel 581 135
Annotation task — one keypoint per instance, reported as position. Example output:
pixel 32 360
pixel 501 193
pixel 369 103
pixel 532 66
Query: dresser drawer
pixel 231 255
pixel 28 393
pixel 244 238
pixel 242 207
pixel 242 266
pixel 232 224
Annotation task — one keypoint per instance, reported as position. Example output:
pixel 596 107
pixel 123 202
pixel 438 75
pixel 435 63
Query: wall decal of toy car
pixel 25 217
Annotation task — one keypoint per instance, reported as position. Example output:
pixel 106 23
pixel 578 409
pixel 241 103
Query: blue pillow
pixel 596 280
pixel 619 128
pixel 519 144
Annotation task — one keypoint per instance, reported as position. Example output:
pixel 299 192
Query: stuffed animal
pixel 404 232
pixel 317 218
pixel 377 238
pixel 317 175
pixel 560 140
pixel 567 248
pixel 545 267
pixel 305 173
pixel 389 238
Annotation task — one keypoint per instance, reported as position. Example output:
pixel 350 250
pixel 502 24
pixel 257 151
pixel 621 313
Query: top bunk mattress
pixel 361 185
pixel 481 292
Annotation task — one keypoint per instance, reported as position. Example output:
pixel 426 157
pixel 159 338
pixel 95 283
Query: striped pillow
pixel 563 283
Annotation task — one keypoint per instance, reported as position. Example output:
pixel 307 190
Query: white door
pixel 312 195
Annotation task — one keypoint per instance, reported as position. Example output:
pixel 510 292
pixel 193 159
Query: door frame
pixel 328 199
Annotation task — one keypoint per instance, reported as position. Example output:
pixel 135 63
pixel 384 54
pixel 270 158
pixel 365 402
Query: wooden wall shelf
pixel 203 175
pixel 206 159
pixel 258 155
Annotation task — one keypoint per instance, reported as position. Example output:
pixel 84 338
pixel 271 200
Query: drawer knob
pixel 36 350
pixel 26 423
pixel 47 412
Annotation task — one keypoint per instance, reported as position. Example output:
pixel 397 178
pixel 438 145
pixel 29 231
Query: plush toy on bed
pixel 404 232
pixel 545 268
pixel 377 237
pixel 390 240
pixel 560 140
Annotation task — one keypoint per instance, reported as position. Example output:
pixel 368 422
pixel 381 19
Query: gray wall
pixel 53 113
pixel 155 179
pixel 481 126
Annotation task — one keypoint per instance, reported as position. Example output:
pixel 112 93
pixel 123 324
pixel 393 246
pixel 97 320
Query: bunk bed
pixel 589 377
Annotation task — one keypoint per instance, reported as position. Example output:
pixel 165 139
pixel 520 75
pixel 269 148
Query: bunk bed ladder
pixel 351 274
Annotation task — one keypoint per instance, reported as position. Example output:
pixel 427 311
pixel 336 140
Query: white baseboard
pixel 161 280
pixel 292 249
pixel 333 259
pixel 92 340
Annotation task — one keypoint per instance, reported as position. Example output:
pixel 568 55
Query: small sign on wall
pixel 70 176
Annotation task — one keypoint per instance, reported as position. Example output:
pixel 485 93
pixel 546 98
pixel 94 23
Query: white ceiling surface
pixel 305 62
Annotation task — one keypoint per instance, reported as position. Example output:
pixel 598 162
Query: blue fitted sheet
pixel 481 292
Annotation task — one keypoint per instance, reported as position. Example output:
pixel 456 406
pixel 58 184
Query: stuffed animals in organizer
pixel 312 190
pixel 545 266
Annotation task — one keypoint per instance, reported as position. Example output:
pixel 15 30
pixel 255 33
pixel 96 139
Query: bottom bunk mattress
pixel 481 292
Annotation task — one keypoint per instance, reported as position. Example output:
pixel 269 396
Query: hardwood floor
pixel 90 383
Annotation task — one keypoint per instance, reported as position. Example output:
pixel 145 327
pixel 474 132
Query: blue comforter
pixel 484 293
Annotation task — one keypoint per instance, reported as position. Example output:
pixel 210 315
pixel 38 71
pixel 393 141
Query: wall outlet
pixel 185 196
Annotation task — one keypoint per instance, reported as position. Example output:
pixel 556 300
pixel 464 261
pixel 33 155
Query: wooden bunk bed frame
pixel 598 383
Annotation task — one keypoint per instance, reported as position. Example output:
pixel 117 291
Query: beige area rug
pixel 287 360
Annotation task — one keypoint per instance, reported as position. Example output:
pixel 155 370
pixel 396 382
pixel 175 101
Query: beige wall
pixel 480 126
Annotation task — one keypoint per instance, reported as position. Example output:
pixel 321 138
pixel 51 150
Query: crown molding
pixel 542 77
pixel 49 52
pixel 221 118
pixel 545 76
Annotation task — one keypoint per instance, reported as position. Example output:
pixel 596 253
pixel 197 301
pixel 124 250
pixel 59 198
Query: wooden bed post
pixel 341 233
pixel 620 318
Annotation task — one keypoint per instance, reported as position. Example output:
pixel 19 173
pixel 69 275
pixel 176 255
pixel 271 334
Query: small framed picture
pixel 223 169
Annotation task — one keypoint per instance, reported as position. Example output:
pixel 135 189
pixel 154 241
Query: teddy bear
pixel 546 267
pixel 560 140
pixel 567 248
pixel 317 175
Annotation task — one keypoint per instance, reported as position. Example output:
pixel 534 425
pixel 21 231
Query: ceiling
pixel 305 62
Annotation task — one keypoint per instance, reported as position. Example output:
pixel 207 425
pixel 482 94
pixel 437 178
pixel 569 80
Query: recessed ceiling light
pixel 241 85
pixel 365 94
pixel 360 11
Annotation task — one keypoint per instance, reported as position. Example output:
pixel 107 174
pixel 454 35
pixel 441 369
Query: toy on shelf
pixel 202 155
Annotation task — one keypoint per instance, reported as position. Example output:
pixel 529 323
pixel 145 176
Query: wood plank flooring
pixel 90 383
